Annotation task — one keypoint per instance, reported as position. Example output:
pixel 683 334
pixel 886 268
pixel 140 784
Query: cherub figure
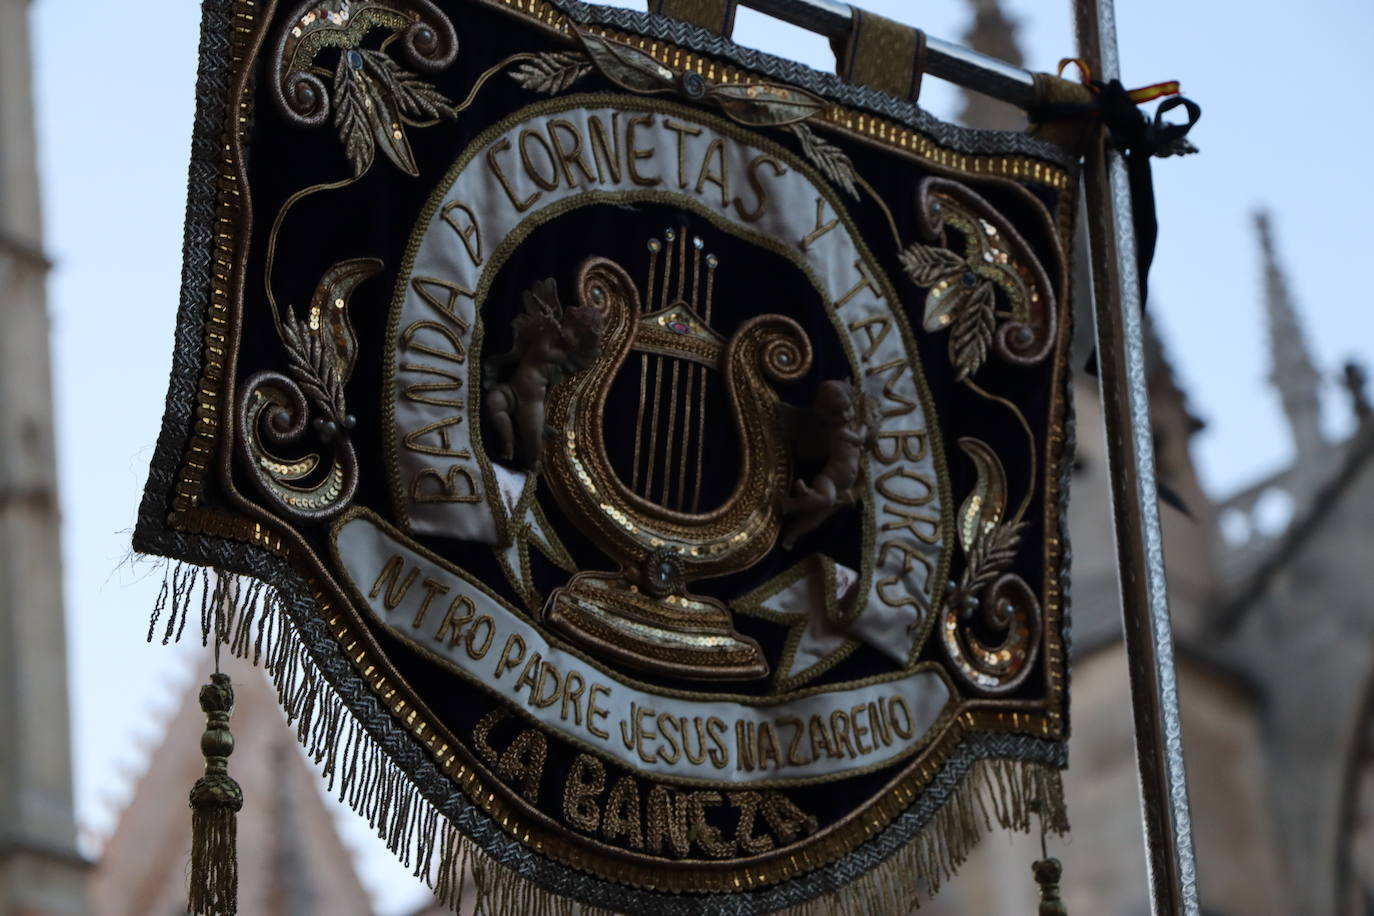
pixel 550 343
pixel 848 426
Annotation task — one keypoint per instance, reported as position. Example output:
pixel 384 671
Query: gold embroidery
pixel 720 177
pixel 586 781
pixel 621 818
pixel 606 148
pixel 523 761
pixel 748 805
pixel 497 148
pixel 787 820
pixel 547 182
pixel 794 742
pixel 839 728
pixel 482 730
pixel 451 627
pixel 667 814
pixel 822 227
pixel 448 491
pixel 667 820
pixel 635 153
pixel 432 590
pixel 664 722
pixel 470 235
pixel 529 675
pixel 701 831
pixel 456 355
pixel 423 287
pixel 420 393
pixel 569 158
pixel 820 739
pixel 768 747
pixel 572 695
pixel 657 545
pixel 511 655
pixel 683 131
pixel 189 518
pixel 759 188
pixel 388 579
pixel 594 710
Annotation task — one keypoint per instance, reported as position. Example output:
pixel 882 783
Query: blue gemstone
pixel 355 60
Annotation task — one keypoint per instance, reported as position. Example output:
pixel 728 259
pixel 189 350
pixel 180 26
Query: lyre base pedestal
pixel 685 636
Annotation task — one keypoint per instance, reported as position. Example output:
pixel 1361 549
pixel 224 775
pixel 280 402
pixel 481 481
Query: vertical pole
pixel 1130 454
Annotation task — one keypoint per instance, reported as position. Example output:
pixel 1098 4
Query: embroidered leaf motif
pixel 927 264
pixel 983 508
pixel 971 335
pixel 413 95
pixel 321 353
pixel 992 553
pixel 350 116
pixel 766 105
pixel 371 91
pixel 940 307
pixel 331 297
pixel 552 72
pixel 833 162
pixel 627 67
pixel 314 364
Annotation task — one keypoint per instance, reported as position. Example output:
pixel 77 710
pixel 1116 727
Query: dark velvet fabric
pixel 375 217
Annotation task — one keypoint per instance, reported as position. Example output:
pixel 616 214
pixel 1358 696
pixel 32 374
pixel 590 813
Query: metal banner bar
pixel 1130 457
pixel 944 60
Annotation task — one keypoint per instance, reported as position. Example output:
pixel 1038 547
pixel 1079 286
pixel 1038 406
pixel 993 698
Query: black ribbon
pixel 1141 139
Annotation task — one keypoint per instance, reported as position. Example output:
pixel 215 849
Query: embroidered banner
pixel 635 432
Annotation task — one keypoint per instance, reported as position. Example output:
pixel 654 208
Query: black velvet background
pixel 375 217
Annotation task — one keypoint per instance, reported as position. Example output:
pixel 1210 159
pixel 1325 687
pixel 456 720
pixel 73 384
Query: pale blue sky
pixel 1282 87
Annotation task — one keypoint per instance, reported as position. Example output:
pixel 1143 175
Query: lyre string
pixel 701 422
pixel 646 305
pixel 656 395
pixel 673 393
pixel 686 392
pixel 681 263
pixel 673 397
pixel 694 374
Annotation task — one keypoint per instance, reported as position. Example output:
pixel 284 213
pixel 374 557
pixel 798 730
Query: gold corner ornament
pixel 617 442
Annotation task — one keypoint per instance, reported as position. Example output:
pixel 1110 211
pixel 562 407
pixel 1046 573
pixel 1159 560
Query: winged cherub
pixel 847 426
pixel 550 343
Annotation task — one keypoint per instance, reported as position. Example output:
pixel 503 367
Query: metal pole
pixel 1131 463
pixel 945 60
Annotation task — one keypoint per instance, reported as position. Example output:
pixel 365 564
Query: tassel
pixel 1047 872
pixel 215 801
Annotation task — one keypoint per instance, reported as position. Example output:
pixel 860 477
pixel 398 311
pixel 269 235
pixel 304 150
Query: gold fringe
pixel 248 618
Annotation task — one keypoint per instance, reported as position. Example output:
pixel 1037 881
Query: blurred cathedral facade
pixel 1272 592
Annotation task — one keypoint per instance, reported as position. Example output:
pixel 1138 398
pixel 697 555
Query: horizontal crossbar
pixel 944 59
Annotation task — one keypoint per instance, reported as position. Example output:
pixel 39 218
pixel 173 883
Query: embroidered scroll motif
pixel 660 461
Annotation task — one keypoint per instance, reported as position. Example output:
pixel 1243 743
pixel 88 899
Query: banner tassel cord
pixel 215 802
pixel 1048 871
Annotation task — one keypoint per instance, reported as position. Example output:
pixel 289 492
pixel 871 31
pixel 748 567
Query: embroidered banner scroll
pixel 631 433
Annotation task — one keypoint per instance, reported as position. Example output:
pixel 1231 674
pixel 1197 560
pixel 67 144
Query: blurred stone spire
pixel 992 33
pixel 1293 375
pixel 41 871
